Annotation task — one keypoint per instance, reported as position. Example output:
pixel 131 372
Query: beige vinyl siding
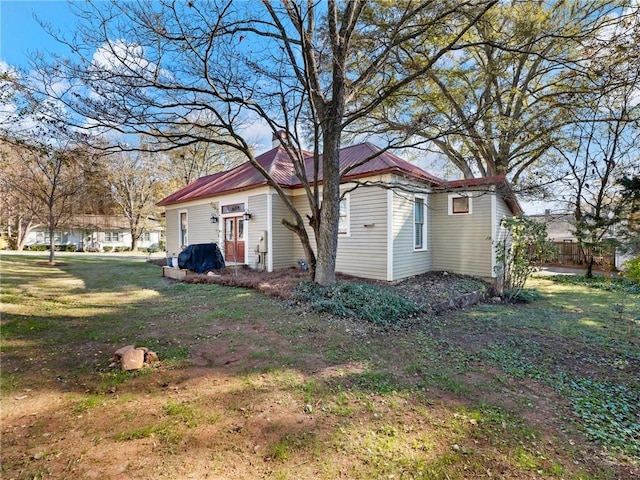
pixel 282 240
pixel 463 243
pixel 363 252
pixel 172 237
pixel 302 205
pixel 501 211
pixel 201 230
pixel 408 262
pixel 258 206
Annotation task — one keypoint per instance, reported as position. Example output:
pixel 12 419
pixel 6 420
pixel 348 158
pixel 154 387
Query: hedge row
pixel 57 248
pixel 73 248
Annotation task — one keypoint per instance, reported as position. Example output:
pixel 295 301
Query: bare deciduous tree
pixel 312 69
pixel 47 183
pixel 605 136
pixel 44 159
pixel 19 213
pixel 134 180
pixel 185 163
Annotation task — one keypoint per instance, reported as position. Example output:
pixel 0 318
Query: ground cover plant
pixel 357 301
pixel 252 386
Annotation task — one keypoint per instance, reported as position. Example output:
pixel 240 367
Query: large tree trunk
pixel 17 232
pixel 327 236
pixel 135 238
pixel 21 236
pixel 136 231
pixel 589 273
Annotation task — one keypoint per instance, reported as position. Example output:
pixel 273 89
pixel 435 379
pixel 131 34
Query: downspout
pixel 494 233
pixel 389 235
pixel 269 253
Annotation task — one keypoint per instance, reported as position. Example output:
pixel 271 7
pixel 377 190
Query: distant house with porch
pixel 95 232
pixel 400 221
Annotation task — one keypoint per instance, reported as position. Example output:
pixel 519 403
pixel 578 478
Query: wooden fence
pixel 570 254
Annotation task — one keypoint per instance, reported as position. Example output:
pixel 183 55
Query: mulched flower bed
pixel 425 290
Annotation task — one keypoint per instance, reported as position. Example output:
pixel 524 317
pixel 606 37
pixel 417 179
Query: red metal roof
pixel 279 165
pixel 474 182
pixel 381 162
pixel 276 162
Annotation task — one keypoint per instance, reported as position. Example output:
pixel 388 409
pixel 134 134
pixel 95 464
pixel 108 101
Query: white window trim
pixel 57 236
pixel 347 199
pixel 111 235
pixel 460 195
pixel 425 243
pixel 180 212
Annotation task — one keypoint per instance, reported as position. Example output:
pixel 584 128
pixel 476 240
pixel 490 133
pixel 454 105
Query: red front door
pixel 234 239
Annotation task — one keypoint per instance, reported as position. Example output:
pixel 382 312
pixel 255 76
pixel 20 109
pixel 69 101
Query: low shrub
pixel 378 305
pixel 122 249
pixel 527 295
pixel 632 270
pixel 37 248
pixel 41 247
pixel 107 249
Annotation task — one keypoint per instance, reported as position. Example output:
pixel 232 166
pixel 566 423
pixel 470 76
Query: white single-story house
pixel 421 223
pixel 95 232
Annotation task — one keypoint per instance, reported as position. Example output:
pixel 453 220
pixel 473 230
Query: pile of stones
pixel 132 358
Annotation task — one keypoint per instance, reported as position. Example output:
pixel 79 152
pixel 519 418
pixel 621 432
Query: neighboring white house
pixel 94 232
pixel 421 223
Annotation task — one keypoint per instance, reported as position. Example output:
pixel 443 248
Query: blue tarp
pixel 201 257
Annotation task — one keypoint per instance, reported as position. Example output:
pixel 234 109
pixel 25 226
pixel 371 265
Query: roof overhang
pixel 497 182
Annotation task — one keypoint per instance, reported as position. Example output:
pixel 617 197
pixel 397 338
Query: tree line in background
pixel 50 184
pixel 158 94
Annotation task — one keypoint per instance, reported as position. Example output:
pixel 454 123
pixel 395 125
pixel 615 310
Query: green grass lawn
pixel 252 387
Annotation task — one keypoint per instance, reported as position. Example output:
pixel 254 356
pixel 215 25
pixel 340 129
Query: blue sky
pixel 21 34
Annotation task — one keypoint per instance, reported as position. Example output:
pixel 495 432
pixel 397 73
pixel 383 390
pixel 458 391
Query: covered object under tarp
pixel 201 257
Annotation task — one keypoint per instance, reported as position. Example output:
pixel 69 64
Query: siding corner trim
pixel 390 235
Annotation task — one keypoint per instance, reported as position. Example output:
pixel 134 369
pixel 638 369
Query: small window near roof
pixel 459 205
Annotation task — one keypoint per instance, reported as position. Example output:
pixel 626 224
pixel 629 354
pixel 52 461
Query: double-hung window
pixel 57 237
pixel 111 237
pixel 343 223
pixel 419 224
pixel 184 229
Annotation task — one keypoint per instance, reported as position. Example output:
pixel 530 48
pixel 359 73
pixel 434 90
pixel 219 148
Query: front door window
pixel 234 250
